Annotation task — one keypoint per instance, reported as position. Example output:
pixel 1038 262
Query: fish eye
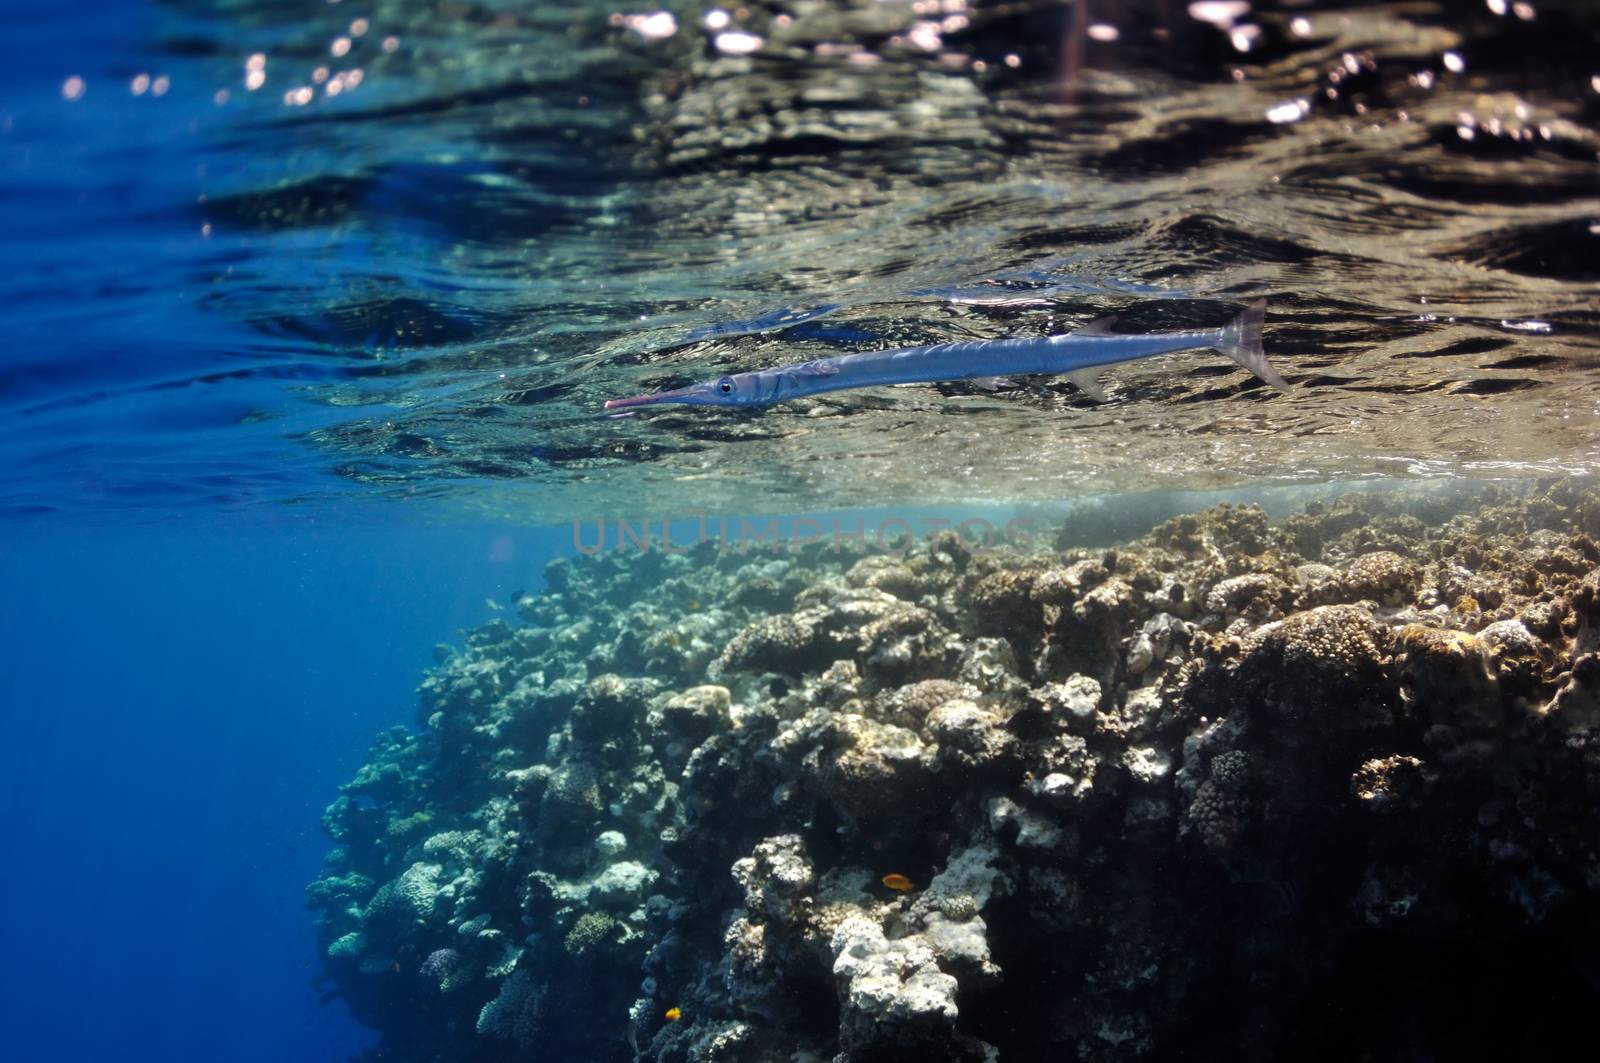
pixel 725 385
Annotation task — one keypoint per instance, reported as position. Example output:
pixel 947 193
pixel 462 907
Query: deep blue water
pixel 178 705
pixel 181 694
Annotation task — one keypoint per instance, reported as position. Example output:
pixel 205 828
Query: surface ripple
pixel 427 280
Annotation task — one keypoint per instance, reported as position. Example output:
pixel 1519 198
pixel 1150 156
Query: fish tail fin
pixel 1241 341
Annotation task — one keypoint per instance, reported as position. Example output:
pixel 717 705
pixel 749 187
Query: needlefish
pixel 1076 355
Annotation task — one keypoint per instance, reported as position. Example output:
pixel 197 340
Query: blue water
pixel 179 703
pixel 179 696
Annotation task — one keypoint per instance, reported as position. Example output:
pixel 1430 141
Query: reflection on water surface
pixel 416 245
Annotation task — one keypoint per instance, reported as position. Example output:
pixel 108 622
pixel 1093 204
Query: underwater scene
pixel 823 531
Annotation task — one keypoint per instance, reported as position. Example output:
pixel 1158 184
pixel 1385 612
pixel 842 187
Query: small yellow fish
pixel 898 882
pixel 694 603
pixel 674 1013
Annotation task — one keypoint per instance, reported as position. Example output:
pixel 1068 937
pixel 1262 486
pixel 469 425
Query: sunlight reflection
pixel 1292 111
pixel 925 35
pixel 737 42
pixel 1220 13
pixel 656 26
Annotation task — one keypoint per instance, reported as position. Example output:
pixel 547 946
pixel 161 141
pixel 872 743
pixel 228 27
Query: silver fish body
pixel 1072 353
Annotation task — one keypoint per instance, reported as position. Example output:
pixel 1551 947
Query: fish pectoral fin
pixel 1087 382
pixel 817 367
pixel 1100 326
pixel 988 383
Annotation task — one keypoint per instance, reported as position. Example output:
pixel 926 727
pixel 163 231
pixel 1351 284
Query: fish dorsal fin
pixel 1086 382
pixel 1100 326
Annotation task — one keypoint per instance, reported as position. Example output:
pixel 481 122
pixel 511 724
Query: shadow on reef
pixel 1323 788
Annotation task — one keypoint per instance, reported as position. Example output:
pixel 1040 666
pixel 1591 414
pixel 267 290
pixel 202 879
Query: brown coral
pixel 1382 576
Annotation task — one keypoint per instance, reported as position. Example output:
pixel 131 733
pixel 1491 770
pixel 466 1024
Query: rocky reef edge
pixel 1326 787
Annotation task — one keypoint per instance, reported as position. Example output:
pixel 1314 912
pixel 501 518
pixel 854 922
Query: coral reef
pixel 1320 787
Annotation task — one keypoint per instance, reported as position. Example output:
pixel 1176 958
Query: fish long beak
pixel 649 400
pixel 637 400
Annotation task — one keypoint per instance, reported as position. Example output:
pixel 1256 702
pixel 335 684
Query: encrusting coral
pixel 1324 787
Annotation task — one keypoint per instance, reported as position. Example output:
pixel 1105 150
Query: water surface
pixel 409 248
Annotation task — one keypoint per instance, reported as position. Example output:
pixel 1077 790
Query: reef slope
pixel 1325 787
